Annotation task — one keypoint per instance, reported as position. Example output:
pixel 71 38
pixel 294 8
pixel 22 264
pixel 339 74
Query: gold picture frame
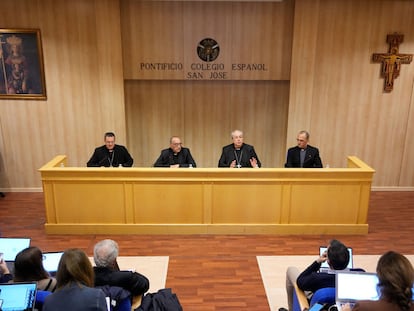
pixel 22 73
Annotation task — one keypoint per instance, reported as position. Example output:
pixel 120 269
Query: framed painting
pixel 22 73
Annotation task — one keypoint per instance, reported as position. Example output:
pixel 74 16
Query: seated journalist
pixel 311 279
pixel 75 290
pixel 396 277
pixel 110 154
pixel 238 154
pixel 175 156
pixel 303 155
pixel 107 271
pixel 28 267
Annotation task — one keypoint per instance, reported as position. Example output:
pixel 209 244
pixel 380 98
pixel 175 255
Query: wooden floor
pixel 218 272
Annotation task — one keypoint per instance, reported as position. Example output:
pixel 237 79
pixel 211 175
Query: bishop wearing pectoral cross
pixel 238 154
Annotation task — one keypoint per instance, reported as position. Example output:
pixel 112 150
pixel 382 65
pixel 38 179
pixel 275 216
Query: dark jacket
pixel 167 158
pixel 379 305
pixel 163 300
pixel 312 280
pixel 102 157
pixel 135 283
pixel 312 158
pixel 246 153
pixel 76 297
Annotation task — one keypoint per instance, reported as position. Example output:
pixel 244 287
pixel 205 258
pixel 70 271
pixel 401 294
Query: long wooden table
pixel 82 200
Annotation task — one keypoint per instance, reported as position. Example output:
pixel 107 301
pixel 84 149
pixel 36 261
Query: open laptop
pixel 51 262
pixel 325 266
pixel 10 247
pixel 354 286
pixel 17 296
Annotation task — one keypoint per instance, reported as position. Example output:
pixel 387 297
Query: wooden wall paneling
pixel 208 105
pixel 81 46
pixel 260 110
pixel 152 32
pixel 397 167
pixel 407 165
pixel 341 63
pixel 110 83
pixel 262 33
pixel 304 47
pixel 204 113
pixel 250 33
pixel 347 112
pixel 154 111
pixel 207 20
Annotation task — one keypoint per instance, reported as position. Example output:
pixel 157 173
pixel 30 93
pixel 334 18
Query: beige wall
pixel 334 90
pixel 83 69
pixel 204 113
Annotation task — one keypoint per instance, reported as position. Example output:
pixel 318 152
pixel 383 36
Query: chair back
pixel 323 296
pixel 117 298
pixel 40 299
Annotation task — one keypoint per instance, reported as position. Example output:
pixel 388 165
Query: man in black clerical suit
pixel 175 156
pixel 110 154
pixel 303 155
pixel 238 154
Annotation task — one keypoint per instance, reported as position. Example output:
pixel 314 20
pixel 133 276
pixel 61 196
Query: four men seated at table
pixel 235 155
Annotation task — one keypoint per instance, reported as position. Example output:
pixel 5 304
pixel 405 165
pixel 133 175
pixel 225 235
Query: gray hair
pixel 306 134
pixel 105 253
pixel 235 131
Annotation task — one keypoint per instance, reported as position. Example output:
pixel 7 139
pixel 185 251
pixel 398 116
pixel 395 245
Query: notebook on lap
pixel 17 296
pixel 354 286
pixel 51 261
pixel 325 266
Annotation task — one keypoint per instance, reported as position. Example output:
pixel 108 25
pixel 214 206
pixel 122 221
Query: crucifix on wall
pixel 391 61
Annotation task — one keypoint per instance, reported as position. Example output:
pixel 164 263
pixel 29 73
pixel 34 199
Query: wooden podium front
pixel 83 200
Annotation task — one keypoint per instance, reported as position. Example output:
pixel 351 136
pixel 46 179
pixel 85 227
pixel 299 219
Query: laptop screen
pixel 17 296
pixel 51 261
pixel 325 265
pixel 10 247
pixel 352 286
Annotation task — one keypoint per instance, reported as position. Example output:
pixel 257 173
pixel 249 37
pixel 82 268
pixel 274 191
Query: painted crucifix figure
pixel 391 61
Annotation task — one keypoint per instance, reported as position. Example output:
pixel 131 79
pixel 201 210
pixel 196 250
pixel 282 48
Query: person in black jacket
pixel 310 280
pixel 107 271
pixel 175 156
pixel 238 154
pixel 303 155
pixel 110 154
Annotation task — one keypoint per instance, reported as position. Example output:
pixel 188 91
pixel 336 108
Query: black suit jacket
pixel 134 282
pixel 102 157
pixel 183 158
pixel 312 158
pixel 246 153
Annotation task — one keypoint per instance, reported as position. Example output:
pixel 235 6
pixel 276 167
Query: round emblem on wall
pixel 208 50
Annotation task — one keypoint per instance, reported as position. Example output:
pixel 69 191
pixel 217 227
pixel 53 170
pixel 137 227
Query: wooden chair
pixel 322 296
pixel 300 301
